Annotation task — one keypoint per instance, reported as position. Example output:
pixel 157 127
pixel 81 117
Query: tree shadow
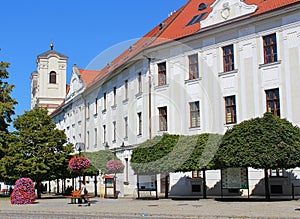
pixel 187 188
pixel 279 186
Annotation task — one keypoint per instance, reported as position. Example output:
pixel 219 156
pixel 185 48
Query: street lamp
pixel 79 146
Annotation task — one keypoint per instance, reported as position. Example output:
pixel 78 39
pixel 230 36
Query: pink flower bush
pixel 77 163
pixel 24 192
pixel 114 166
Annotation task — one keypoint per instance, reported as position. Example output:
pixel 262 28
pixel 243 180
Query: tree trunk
pixel 38 189
pixel 49 182
pixel 95 184
pixel 267 189
pixel 167 186
pixel 204 184
pixel 57 186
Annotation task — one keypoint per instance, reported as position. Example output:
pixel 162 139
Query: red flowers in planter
pixel 115 166
pixel 77 163
pixel 24 192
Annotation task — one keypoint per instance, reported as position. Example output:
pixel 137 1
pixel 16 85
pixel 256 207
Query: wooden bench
pixel 76 197
pixel 4 191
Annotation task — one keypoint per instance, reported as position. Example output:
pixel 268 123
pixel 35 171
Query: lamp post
pixel 115 176
pixel 79 146
pixel 115 169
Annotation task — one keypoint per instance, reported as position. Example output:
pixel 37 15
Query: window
pixel 140 82
pixel 88 110
pixel 115 95
pixel 88 139
pixel 196 19
pixel 196 174
pixel 96 106
pixel 270 48
pixel 230 110
pixel 273 101
pixel 96 138
pixel 276 172
pixel 104 101
pixel 163 118
pixel 162 74
pixel 52 77
pixel 114 131
pixel 126 89
pixel 228 58
pixel 104 133
pixel 126 127
pixel 194 114
pixel 193 67
pixel 139 123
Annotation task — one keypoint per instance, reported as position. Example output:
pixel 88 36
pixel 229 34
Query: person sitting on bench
pixel 83 191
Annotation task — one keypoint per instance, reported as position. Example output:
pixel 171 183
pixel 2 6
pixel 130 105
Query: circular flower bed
pixel 24 192
pixel 115 166
pixel 77 163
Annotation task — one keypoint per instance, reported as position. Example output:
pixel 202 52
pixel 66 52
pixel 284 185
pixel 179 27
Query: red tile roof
pixel 67 88
pixel 88 75
pixel 172 28
pixel 178 29
pixel 269 5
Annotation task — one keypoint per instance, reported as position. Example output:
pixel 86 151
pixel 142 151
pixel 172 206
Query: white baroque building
pixel 208 66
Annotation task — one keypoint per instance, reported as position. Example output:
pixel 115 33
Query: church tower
pixel 48 82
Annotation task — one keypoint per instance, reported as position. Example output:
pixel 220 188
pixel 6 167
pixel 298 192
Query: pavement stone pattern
pixel 162 208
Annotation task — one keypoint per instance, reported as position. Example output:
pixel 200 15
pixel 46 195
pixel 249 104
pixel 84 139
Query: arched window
pixel 52 78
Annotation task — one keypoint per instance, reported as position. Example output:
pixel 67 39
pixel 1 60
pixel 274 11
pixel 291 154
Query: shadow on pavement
pixel 252 199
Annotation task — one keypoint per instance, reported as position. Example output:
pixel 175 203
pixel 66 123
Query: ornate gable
pixel 223 10
pixel 76 84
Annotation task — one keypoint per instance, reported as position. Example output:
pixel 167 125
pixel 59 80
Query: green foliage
pixel 6 107
pixel 90 171
pixel 99 159
pixel 267 142
pixel 202 156
pixel 173 153
pixel 6 101
pixel 37 150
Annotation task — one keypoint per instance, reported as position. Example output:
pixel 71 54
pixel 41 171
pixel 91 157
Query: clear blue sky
pixel 79 29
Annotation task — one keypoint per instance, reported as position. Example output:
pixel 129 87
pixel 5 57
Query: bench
pixel 76 197
pixel 4 191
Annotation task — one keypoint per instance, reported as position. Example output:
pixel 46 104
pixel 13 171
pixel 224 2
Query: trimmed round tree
pixel 265 143
pixel 24 192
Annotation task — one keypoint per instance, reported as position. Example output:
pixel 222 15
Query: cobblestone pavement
pixel 163 208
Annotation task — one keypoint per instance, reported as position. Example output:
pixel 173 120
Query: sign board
pixel 234 178
pixel 147 182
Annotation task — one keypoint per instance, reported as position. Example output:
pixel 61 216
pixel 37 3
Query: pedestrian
pixel 83 191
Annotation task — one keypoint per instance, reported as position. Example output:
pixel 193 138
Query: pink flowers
pixel 24 192
pixel 77 163
pixel 114 166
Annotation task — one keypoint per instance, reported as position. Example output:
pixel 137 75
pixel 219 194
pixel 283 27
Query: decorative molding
pixel 269 64
pixel 235 71
pixel 193 81
pixel 158 87
pixel 224 10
